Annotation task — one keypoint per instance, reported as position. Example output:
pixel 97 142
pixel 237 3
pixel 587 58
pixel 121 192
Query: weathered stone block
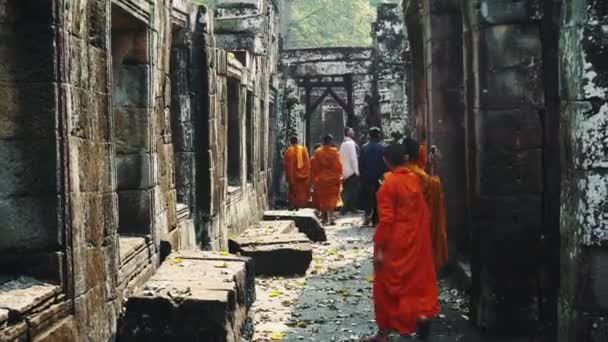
pixel 28 167
pixel 27 55
pixel 306 221
pixel 586 134
pixel 135 211
pixel 28 110
pixel 132 130
pixel 508 46
pixel 193 296
pixel 239 3
pixel 29 223
pixel 133 171
pixel 275 255
pixel 496 12
pixel 64 330
pixel 132 87
pixel 513 129
pixel 508 172
pixel 512 88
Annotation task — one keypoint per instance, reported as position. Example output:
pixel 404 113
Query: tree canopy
pixel 327 23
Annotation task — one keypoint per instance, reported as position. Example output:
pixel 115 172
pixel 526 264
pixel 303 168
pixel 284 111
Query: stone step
pixel 275 255
pixel 194 296
pixel 305 219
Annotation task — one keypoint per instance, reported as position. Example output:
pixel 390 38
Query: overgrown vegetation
pixel 324 23
pixel 327 23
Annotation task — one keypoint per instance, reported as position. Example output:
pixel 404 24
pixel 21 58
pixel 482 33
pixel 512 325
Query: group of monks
pixel 323 170
pixel 410 239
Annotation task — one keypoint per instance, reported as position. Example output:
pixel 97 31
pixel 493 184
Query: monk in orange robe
pixel 327 179
pixel 435 200
pixel 405 288
pixel 297 174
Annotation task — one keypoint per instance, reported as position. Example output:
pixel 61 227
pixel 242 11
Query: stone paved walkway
pixel 333 301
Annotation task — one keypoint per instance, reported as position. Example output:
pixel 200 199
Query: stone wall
pixel 114 125
pixel 583 304
pixel 538 257
pixel 480 97
pixel 351 65
pixel 390 93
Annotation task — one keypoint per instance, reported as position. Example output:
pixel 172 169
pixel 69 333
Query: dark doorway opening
pixel 132 127
pixel 235 177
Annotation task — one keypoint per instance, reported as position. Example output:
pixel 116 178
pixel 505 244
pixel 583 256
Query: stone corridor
pixel 139 138
pixel 333 301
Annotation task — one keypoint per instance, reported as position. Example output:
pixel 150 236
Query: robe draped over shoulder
pixel 435 200
pixel 327 178
pixel 405 286
pixel 297 175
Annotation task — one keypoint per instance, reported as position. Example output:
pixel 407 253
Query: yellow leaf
pixel 275 293
pixel 177 260
pixel 277 336
pixel 301 324
pixel 332 252
pixel 222 265
pixel 238 254
pixel 370 278
pixel 224 253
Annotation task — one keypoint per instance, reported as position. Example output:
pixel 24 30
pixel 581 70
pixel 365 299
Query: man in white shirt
pixel 350 168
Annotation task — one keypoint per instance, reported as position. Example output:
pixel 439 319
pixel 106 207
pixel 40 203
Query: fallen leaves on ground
pixel 277 336
pixel 275 293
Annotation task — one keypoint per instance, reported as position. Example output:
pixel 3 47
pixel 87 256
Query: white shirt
pixel 348 156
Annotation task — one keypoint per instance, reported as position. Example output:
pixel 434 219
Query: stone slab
pixel 23 294
pixel 270 228
pixel 305 219
pixel 194 296
pixel 276 255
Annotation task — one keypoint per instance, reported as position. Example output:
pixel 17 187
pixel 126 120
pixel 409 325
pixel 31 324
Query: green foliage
pixel 330 23
pixel 208 3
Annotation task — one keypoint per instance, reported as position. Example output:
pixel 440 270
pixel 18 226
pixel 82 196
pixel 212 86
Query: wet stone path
pixel 333 302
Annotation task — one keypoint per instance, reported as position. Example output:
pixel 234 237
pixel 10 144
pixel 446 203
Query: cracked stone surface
pixel 333 302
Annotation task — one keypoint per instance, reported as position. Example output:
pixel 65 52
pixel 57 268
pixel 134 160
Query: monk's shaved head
pixel 412 149
pixel 394 155
pixel 293 140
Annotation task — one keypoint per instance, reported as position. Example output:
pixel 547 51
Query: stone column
pixel 442 32
pixel 505 102
pixel 583 302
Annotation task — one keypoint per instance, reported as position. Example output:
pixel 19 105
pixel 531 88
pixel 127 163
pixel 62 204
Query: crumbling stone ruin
pixel 129 128
pixel 513 94
pixel 139 137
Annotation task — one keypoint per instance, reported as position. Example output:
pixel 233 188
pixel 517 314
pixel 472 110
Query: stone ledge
pixel 28 307
pixel 194 296
pixel 276 254
pixel 305 219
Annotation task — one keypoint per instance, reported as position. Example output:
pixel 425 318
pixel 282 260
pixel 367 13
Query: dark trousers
pixel 350 193
pixel 368 200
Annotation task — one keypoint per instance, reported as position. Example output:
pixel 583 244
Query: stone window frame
pixel 184 210
pixel 145 238
pixel 235 186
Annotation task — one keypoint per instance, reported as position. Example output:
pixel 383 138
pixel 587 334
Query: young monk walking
pixel 435 200
pixel 327 179
pixel 297 174
pixel 405 289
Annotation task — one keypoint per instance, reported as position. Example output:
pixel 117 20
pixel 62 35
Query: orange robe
pixel 327 178
pixel 297 175
pixel 422 156
pixel 435 200
pixel 405 287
